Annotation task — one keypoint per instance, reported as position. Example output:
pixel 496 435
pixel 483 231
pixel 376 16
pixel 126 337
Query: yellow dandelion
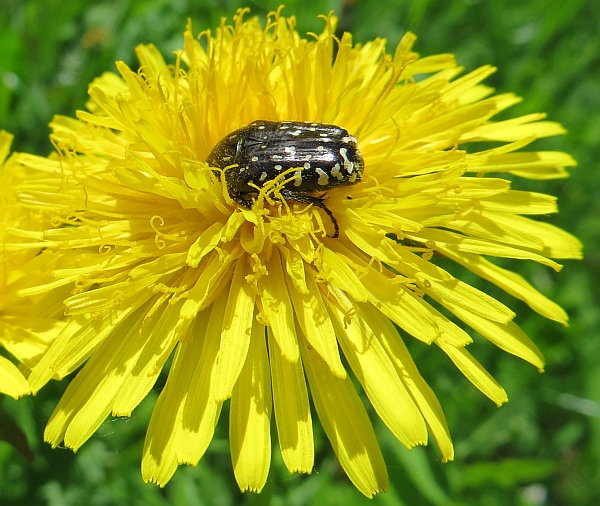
pixel 24 335
pixel 264 290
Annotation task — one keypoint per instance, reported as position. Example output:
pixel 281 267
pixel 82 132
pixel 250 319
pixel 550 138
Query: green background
pixel 542 448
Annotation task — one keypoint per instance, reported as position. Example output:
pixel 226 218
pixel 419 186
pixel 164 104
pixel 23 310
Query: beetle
pixel 325 156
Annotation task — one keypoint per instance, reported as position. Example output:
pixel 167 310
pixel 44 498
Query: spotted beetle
pixel 324 156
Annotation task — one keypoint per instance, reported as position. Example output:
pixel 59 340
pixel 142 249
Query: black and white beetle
pixel 324 156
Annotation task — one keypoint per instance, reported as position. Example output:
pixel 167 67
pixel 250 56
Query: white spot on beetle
pixel 323 177
pixel 226 158
pixel 276 157
pixel 335 172
pixel 348 165
pixel 320 149
pixel 307 165
pixel 263 176
pixel 291 150
pixel 261 127
pixel 298 175
pixel 278 167
pixel 349 140
pixel 254 158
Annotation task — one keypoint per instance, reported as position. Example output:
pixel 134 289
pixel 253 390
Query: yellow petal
pixel 5 142
pixel 476 224
pixel 406 369
pixel 73 345
pixel 449 331
pixel 316 325
pixel 475 373
pixel 508 337
pixel 12 381
pixel 89 397
pixel 294 267
pixel 151 60
pixel 514 129
pixel 457 295
pixel 342 275
pixel 401 306
pixel 346 424
pixel 520 202
pixel 216 270
pixel 172 433
pixel 292 411
pixel 165 330
pixel 373 368
pixel 451 243
pixel 159 460
pixel 201 409
pixel 205 243
pixel 365 238
pixel 453 124
pixel 462 85
pixel 450 291
pixel 250 417
pixel 533 165
pixel 556 243
pixel 511 282
pixel 28 338
pixel 238 322
pixel 429 64
pixel 277 306
pixel 42 372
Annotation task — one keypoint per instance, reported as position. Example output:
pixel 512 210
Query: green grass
pixel 543 447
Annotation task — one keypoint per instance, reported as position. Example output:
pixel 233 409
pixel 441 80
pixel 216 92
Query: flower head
pixel 258 303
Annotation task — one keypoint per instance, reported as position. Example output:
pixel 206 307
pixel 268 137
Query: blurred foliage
pixel 542 448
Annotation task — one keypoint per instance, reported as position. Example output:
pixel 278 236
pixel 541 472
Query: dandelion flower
pixel 258 303
pixel 23 335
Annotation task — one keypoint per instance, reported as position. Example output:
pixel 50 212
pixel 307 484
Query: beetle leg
pixel 315 201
